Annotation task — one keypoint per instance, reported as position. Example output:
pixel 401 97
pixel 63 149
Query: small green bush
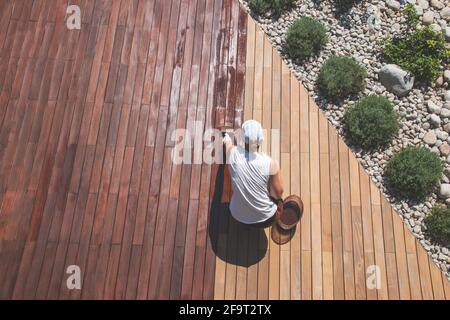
pixel 421 52
pixel 438 225
pixel 414 172
pixel 270 8
pixel 340 77
pixel 371 122
pixel 412 18
pixel 345 5
pixel 305 38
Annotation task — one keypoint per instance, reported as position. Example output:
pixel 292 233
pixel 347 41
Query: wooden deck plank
pixel 377 224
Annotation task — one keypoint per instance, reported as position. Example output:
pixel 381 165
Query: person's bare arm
pixel 275 182
pixel 228 143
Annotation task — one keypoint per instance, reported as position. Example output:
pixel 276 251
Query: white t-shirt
pixel 249 173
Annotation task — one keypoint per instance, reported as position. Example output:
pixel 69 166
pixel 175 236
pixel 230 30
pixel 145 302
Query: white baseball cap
pixel 253 132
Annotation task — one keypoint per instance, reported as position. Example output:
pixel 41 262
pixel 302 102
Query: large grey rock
pixel 447 75
pixel 437 4
pixel 445 13
pixel 428 18
pixel 396 80
pixel 423 3
pixel 435 27
pixel 444 190
pixel 447 128
pixel 393 4
pixel 444 149
pixel 447 95
pixel 419 10
pixel 446 32
pixel 445 113
pixel 430 138
pixel 441 135
pixel 435 120
pixel 433 107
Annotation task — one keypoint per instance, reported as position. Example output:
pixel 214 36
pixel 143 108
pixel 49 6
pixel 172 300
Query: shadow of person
pixel 232 241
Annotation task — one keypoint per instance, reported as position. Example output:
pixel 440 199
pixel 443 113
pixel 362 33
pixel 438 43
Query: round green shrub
pixel 270 8
pixel 438 225
pixel 413 172
pixel 371 122
pixel 345 5
pixel 305 38
pixel 421 52
pixel 341 76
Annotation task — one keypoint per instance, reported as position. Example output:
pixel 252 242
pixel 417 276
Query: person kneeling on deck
pixel 255 179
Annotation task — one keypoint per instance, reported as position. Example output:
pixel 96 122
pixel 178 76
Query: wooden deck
pixel 86 176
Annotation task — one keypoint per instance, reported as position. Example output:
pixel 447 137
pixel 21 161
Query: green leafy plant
pixel 305 38
pixel 345 5
pixel 341 76
pixel 270 8
pixel 412 18
pixel 413 172
pixel 371 122
pixel 438 225
pixel 421 52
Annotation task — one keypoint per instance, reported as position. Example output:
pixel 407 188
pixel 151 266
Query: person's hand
pixel 226 138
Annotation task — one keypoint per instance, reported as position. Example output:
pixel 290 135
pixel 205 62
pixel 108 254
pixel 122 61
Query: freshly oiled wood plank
pixel 401 258
pixel 366 220
pixel 25 265
pixel 11 258
pixel 133 272
pixel 357 230
pixel 240 67
pixel 250 70
pixel 183 171
pixel 377 224
pixel 232 39
pixel 126 250
pixel 181 69
pixel 201 251
pixel 89 277
pixel 153 51
pixel 112 270
pixel 259 70
pixel 156 97
pixel 336 222
pixel 189 255
pixel 157 270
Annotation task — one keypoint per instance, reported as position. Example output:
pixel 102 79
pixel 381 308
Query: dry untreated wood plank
pixel 336 220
